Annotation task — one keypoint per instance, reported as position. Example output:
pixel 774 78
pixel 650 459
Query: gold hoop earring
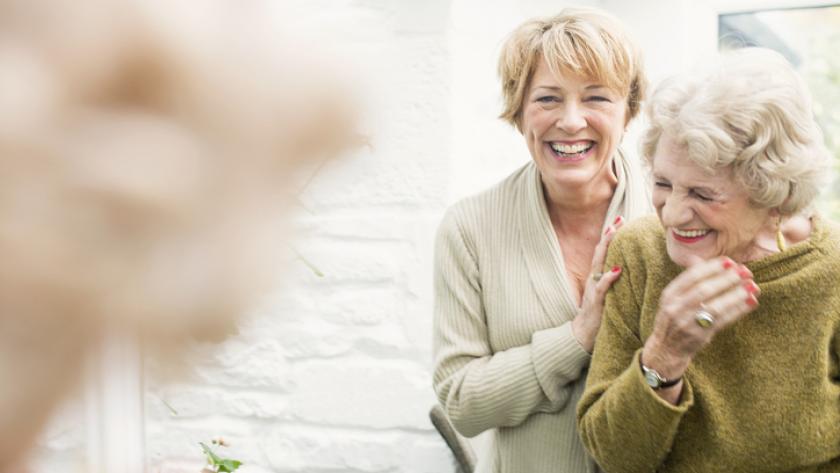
pixel 780 238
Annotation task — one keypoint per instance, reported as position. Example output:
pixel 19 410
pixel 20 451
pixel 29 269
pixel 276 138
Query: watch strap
pixel 655 380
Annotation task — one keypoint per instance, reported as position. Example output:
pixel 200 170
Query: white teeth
pixel 691 233
pixel 571 149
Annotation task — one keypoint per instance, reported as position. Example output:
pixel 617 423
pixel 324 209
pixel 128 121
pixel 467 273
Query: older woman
pixel 518 275
pixel 690 372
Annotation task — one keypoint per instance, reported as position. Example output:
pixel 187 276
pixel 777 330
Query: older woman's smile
pixel 689 236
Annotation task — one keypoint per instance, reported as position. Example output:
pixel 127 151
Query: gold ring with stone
pixel 704 318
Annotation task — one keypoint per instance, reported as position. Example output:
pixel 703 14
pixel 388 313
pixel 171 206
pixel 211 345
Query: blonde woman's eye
pixel 599 98
pixel 547 99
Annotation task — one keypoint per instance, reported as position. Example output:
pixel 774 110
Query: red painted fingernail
pixel 617 220
pixel 728 263
pixel 752 301
pixel 744 272
pixel 751 286
pixel 616 269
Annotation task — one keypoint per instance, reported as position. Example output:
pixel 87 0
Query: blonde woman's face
pixel 572 127
pixel 705 214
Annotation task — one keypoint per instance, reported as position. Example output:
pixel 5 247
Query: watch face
pixel 651 379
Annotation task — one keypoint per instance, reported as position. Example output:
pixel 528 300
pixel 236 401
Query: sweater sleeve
pixel 623 423
pixel 480 389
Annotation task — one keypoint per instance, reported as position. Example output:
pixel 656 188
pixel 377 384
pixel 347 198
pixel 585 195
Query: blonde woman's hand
pixel 722 288
pixel 586 324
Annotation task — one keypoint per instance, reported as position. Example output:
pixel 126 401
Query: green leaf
pixel 228 465
pixel 212 458
pixel 223 465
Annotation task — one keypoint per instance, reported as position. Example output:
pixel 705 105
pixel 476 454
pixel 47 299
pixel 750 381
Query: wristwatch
pixel 655 380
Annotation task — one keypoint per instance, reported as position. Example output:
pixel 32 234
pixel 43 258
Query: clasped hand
pixel 702 301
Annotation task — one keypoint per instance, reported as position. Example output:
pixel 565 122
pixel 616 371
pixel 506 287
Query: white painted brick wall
pixel 334 373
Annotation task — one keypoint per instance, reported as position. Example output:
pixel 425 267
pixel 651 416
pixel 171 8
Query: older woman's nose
pixel 571 120
pixel 675 211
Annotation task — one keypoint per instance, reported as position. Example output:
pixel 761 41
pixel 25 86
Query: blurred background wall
pixel 333 373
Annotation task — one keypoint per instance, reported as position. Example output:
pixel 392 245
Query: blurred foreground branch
pixel 145 147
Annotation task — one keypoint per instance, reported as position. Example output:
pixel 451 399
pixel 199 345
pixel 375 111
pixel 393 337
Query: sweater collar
pixel 795 257
pixel 778 265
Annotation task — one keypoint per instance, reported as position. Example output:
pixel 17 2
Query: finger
pixel 711 288
pixel 701 271
pixel 600 254
pixel 706 283
pixel 606 282
pixel 733 305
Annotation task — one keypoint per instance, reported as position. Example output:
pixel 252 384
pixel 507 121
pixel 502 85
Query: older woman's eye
pixel 662 184
pixel 599 98
pixel 547 99
pixel 703 197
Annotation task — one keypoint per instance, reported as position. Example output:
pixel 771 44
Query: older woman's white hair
pixel 750 110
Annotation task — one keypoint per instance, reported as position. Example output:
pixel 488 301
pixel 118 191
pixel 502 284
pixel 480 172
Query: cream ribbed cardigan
pixel 505 356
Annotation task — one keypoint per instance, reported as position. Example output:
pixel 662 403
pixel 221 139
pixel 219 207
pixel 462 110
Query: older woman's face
pixel 572 127
pixel 704 215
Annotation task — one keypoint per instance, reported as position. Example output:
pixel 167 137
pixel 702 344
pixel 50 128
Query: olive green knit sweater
pixel 763 396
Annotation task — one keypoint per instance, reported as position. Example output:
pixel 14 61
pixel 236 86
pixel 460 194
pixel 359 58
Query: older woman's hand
pixel 705 299
pixel 585 326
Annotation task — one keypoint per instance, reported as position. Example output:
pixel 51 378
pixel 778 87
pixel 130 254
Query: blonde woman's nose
pixel 570 118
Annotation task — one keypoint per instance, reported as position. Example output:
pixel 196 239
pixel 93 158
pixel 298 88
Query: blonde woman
pixel 519 274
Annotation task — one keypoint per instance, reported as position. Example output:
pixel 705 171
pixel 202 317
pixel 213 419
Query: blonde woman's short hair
pixel 584 42
pixel 748 110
